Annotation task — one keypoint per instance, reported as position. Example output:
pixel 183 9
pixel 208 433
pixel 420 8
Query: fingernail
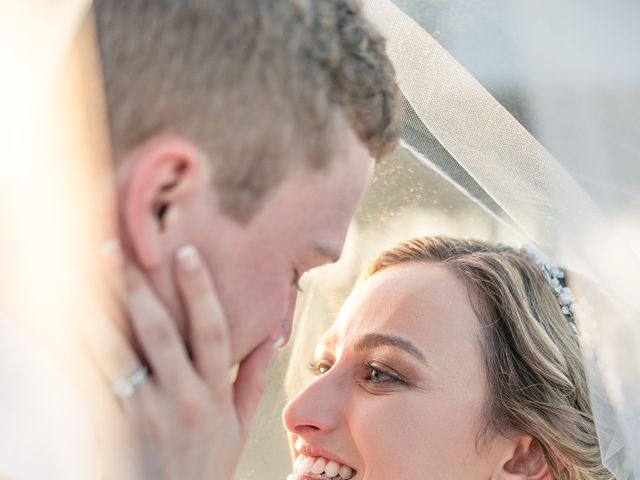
pixel 188 258
pixel 111 251
pixel 278 343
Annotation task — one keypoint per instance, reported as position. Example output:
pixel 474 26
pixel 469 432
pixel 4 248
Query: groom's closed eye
pixel 329 253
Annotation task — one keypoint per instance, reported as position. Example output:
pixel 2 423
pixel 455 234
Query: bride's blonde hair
pixel 534 366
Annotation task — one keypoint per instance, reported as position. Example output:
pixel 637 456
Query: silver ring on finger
pixel 128 386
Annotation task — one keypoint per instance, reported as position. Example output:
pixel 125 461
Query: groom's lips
pixel 287 322
pixel 284 332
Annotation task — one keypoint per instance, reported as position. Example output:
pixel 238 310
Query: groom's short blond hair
pixel 249 82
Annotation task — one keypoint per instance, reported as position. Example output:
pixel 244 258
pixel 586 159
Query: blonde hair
pixel 537 383
pixel 261 86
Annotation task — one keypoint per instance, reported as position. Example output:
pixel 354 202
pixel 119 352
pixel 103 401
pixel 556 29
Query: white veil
pixel 472 163
pixel 545 199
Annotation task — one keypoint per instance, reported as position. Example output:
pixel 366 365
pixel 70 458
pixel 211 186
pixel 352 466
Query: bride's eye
pixel 377 375
pixel 319 367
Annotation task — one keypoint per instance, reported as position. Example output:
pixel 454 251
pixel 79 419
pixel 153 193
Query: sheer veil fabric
pixel 579 205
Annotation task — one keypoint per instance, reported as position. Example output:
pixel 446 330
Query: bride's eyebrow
pixel 328 341
pixel 374 340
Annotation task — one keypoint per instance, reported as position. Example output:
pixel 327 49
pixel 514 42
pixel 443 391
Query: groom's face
pixel 300 225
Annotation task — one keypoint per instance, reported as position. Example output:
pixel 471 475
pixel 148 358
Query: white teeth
pixel 318 467
pixel 332 469
pixel 307 464
pixel 346 472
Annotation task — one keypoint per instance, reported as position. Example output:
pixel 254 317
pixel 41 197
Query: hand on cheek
pixel 180 416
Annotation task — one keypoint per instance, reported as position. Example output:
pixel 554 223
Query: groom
pixel 247 129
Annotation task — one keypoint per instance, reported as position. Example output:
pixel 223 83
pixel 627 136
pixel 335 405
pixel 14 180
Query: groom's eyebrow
pixel 374 340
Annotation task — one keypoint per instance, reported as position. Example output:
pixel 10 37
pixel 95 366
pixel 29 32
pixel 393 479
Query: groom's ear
pixel 527 462
pixel 163 176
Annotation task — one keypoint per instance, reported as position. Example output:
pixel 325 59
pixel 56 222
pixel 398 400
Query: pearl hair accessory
pixel 556 280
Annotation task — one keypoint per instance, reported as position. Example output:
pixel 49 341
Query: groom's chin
pixel 242 348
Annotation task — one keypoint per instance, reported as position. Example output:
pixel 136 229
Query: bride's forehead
pixel 411 287
pixel 414 300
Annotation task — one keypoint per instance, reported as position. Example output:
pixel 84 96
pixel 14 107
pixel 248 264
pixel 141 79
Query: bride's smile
pixel 317 463
pixel 402 366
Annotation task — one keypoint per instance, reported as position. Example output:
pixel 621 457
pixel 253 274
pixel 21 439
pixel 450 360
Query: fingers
pixel 114 292
pixel 114 263
pixel 111 350
pixel 208 329
pixel 209 337
pixel 250 384
pixel 156 332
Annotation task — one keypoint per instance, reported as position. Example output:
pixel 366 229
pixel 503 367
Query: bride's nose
pixel 316 409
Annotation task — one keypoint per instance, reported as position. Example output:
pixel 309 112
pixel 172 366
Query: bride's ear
pixel 527 462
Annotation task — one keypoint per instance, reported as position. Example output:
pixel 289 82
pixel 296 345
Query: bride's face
pixel 400 385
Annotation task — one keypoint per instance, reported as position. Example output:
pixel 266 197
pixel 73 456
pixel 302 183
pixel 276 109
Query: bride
pixel 452 360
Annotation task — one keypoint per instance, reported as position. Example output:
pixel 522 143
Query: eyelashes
pixel 318 367
pixel 378 375
pixel 372 373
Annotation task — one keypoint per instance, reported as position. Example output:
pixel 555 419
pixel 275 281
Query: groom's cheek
pixel 258 311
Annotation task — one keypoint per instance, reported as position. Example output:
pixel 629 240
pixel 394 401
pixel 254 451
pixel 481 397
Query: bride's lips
pixel 314 451
pixel 304 450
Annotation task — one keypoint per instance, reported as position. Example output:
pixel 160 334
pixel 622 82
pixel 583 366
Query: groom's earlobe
pixel 164 172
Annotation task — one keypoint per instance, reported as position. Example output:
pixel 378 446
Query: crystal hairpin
pixel 556 279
